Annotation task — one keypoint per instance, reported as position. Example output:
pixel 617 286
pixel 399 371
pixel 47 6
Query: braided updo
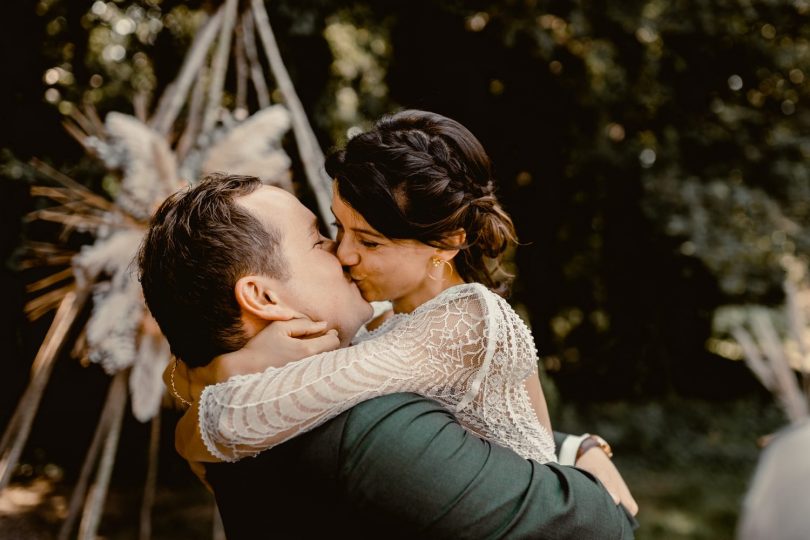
pixel 419 175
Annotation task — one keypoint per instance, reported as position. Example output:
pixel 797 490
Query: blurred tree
pixel 651 152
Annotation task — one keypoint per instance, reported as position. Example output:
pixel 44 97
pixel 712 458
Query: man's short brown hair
pixel 199 244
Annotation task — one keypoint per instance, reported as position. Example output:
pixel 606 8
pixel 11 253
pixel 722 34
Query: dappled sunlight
pixel 17 499
pixel 38 496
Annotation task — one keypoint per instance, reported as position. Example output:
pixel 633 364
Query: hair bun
pixel 486 203
pixel 491 228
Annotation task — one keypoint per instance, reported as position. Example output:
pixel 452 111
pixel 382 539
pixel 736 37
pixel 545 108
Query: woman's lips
pixel 351 280
pixel 359 284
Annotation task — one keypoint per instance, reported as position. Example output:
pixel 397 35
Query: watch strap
pixel 594 441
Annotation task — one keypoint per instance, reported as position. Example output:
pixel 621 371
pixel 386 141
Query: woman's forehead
pixel 346 213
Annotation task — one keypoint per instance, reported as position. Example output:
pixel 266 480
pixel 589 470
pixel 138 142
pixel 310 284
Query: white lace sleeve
pixel 437 351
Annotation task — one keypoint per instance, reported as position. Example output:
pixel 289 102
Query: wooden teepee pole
pixel 797 323
pixel 766 357
pixel 172 100
pixel 97 495
pixel 256 74
pixel 89 465
pixel 195 107
pixel 311 153
pixel 241 63
pixel 19 428
pixel 145 529
pixel 219 66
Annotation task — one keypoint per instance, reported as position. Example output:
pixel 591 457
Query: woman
pixel 419 225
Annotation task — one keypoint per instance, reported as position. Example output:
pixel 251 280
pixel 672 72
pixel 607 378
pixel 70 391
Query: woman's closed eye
pixel 368 244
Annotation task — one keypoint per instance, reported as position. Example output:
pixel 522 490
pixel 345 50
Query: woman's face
pixel 383 269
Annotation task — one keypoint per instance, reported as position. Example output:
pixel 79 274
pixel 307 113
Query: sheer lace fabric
pixel 466 348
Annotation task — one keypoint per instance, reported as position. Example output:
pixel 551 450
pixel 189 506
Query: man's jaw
pixel 356 281
pixel 347 334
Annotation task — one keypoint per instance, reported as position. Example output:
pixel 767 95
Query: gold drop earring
pixel 437 262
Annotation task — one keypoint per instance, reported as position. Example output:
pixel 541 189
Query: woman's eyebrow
pixel 357 229
pixel 369 233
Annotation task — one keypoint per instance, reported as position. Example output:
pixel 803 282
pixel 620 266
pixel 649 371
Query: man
pixel 224 259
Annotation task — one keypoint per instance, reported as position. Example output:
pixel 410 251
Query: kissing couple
pixel 430 420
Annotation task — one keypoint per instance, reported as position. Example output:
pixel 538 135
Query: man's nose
pixel 347 255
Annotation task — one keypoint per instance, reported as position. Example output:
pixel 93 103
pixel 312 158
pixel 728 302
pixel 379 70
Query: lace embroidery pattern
pixel 466 348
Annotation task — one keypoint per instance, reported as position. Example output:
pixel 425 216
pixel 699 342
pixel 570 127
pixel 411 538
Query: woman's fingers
pixel 327 342
pixel 280 343
pixel 596 462
pixel 300 327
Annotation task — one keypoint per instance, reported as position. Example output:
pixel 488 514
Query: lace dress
pixel 466 348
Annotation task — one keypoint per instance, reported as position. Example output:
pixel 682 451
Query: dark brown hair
pixel 419 175
pixel 200 242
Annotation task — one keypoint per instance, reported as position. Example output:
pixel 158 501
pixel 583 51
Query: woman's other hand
pixel 188 443
pixel 596 462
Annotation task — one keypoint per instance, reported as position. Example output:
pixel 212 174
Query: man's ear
pixel 256 297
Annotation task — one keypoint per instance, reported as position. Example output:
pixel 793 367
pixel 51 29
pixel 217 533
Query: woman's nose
pixel 347 255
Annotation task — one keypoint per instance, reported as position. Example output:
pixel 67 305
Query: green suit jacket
pixel 401 466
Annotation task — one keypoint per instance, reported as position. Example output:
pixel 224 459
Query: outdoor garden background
pixel 652 153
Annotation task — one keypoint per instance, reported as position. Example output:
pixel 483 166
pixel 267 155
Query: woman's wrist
pixel 574 447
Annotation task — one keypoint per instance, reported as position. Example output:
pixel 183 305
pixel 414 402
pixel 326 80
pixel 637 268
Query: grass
pixel 687 462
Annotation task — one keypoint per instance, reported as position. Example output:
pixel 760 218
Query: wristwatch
pixel 592 441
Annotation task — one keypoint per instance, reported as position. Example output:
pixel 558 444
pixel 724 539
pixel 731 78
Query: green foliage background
pixel 653 154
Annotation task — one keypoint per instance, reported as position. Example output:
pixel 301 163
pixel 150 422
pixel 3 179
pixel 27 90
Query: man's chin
pixel 365 311
pixel 369 308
